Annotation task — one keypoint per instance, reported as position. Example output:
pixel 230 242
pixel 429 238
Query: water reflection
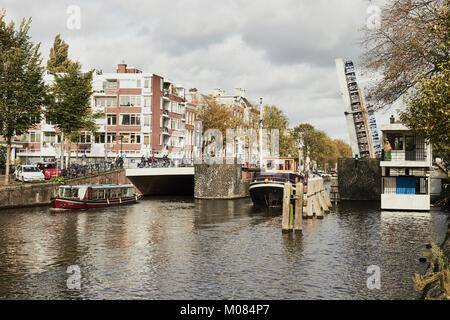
pixel 183 248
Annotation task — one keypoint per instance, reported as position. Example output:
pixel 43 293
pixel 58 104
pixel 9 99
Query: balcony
pixel 166 114
pixel 165 131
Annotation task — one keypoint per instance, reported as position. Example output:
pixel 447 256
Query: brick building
pixel 145 114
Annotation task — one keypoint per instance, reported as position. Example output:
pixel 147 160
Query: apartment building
pixel 144 114
pixel 248 114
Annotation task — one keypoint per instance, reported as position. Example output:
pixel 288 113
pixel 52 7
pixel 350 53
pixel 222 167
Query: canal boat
pixel 266 188
pixel 94 196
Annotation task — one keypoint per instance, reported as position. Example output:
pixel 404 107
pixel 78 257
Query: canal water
pixel 166 248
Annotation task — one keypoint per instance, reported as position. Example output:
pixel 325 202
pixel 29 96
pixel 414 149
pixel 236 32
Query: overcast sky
pixel 282 51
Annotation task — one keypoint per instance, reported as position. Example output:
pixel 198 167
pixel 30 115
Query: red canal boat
pixel 94 196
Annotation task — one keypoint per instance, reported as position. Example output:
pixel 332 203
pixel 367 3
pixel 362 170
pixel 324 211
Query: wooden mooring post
pixel 286 225
pixel 334 190
pixel 309 200
pixel 298 221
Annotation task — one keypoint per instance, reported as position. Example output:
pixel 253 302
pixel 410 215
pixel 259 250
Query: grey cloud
pixel 282 51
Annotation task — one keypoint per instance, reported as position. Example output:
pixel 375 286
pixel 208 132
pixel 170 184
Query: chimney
pixel 218 92
pixel 122 68
pixel 239 92
pixel 392 119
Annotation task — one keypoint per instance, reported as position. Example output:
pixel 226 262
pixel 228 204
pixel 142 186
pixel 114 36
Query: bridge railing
pixel 80 170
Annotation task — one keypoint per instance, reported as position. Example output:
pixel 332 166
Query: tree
pixel 70 108
pixel 343 149
pixel 428 106
pixel 319 147
pixel 274 118
pixel 2 158
pixel 405 47
pixel 411 50
pixel 59 56
pixel 428 112
pixel 22 88
pixel 214 115
pixel 311 139
pixel 59 62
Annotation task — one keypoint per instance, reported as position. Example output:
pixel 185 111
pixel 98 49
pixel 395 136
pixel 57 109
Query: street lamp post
pixel 260 133
pixel 121 140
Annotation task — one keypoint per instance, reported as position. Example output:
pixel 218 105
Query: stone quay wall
pixel 35 194
pixel 359 180
pixel 221 181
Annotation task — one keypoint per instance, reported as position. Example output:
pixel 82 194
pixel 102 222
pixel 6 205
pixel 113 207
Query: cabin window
pixel 65 192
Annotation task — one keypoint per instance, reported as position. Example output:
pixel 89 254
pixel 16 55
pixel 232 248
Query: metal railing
pixel 76 170
pixel 162 163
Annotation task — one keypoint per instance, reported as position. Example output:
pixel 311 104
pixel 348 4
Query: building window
pixel 147 120
pixel 100 137
pixel 110 84
pixel 146 140
pixel 135 138
pixel 106 102
pixel 161 103
pixel 131 137
pixel 395 140
pixel 147 102
pixel 111 119
pixel 111 137
pixel 130 101
pixel 160 139
pixel 50 137
pixel 130 83
pixel 32 137
pixel 147 83
pixel 130 119
pixel 85 137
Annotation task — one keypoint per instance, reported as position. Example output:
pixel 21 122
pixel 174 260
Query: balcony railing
pixel 413 155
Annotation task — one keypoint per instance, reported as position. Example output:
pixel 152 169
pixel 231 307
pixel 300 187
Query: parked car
pixel 29 173
pixel 49 169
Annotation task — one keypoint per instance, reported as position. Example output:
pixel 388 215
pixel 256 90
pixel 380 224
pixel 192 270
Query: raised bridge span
pixel 163 181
